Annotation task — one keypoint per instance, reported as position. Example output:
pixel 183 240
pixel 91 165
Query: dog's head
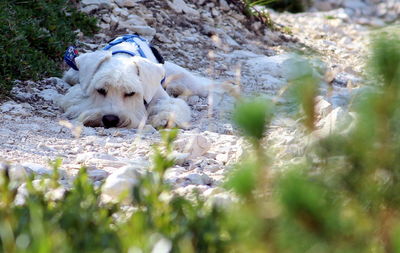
pixel 116 88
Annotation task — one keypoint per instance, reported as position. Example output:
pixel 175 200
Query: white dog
pixel 120 86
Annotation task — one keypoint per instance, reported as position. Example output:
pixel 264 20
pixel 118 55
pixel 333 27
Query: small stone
pixel 180 158
pixel 37 169
pixel 97 3
pixel 172 175
pixel 148 129
pixel 97 175
pixel 162 38
pixel 55 194
pixel 106 19
pixel 119 185
pixel 136 20
pixel 15 109
pixel 192 100
pixel 221 199
pixel 180 6
pixel 49 95
pixel 323 6
pixel 89 9
pixel 17 174
pixel 223 158
pixel 323 107
pixel 196 145
pixel 145 31
pixel 126 3
pixel 224 5
pixel 199 179
pixel 337 120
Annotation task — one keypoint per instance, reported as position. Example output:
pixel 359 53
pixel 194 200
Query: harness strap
pixel 123 52
pixel 127 38
pixel 72 53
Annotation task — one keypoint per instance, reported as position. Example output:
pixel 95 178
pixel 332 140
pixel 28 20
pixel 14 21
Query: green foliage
pixel 343 198
pixel 34 36
pixel 283 5
pixel 253 116
pixel 79 222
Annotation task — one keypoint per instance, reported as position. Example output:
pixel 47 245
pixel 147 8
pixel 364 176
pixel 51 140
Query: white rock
pixel 42 185
pixel 124 13
pixel 114 20
pixel 196 145
pixel 17 174
pixel 104 26
pixel 223 158
pixel 148 129
pixel 230 41
pixel 126 3
pixel 162 246
pixel 97 175
pixel 323 6
pixel 322 106
pixel 221 199
pixel 6 132
pixel 264 64
pixel 173 174
pixel 98 3
pixel 37 169
pixel 55 194
pixel 192 100
pixel 89 8
pixel 106 18
pixel 224 5
pixel 58 83
pixel 118 186
pixel 49 95
pixel 180 158
pixel 354 4
pixel 15 109
pixel 180 6
pixel 146 31
pixel 132 25
pixel 136 20
pixel 337 120
pixel 199 179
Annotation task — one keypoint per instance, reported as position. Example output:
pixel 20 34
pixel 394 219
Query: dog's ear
pixel 150 74
pixel 88 64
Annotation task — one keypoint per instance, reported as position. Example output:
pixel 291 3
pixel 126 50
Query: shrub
pixel 283 5
pixel 34 35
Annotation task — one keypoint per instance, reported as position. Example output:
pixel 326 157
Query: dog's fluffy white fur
pixel 124 91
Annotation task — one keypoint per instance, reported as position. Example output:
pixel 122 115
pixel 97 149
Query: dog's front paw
pixel 169 112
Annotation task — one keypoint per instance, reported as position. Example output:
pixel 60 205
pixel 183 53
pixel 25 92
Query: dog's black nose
pixel 110 120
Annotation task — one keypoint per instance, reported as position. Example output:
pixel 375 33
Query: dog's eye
pixel 102 91
pixel 130 94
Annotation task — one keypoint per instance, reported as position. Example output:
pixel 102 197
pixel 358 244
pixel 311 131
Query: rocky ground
pixel 213 39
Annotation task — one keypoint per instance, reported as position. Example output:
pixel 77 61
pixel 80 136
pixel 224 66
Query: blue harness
pixel 127 38
pixel 71 53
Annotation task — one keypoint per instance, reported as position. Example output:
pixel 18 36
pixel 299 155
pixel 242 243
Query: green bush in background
pixel 34 35
pixel 283 5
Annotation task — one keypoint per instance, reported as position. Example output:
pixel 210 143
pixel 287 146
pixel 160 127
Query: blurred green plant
pixel 34 35
pixel 344 198
pixel 282 5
